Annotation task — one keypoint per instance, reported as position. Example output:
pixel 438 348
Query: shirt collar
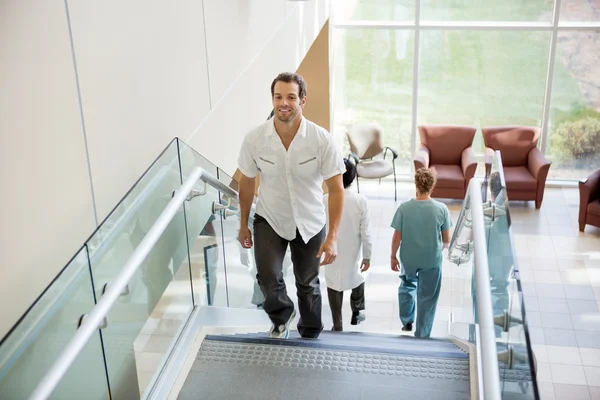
pixel 301 129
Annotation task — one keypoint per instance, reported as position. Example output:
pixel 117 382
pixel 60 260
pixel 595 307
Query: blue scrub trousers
pixel 425 284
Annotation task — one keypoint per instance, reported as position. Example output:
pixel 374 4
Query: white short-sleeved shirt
pixel 291 182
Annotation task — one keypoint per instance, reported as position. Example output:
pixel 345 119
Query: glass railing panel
pixel 204 233
pixel 33 346
pixel 461 276
pixel 516 360
pixel 148 316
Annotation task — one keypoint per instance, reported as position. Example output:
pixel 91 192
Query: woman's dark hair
pixel 350 173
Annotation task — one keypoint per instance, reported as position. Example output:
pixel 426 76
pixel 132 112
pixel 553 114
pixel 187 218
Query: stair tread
pixel 356 341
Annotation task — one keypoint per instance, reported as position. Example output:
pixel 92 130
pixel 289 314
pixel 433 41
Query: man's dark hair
pixel 350 173
pixel 288 77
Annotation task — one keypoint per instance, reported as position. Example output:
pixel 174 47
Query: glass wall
pixel 479 63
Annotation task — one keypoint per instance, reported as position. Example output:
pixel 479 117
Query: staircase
pixel 337 365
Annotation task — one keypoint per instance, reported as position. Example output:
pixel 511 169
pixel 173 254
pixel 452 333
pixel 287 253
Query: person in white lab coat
pixel 354 238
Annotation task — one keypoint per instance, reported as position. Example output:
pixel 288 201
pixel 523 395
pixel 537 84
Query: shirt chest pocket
pixel 307 165
pixel 267 165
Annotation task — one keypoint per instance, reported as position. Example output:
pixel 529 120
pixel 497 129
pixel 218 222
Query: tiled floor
pixel 560 270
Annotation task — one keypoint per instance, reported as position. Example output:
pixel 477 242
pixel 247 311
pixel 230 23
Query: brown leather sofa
pixel 525 167
pixel 447 148
pixel 589 201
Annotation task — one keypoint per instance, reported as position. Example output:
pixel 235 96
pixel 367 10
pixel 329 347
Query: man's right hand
pixel 245 238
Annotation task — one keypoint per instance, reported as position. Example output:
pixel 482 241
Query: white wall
pixel 147 71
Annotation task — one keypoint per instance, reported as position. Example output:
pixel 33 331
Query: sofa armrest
pixel 537 164
pixel 539 167
pixel 468 163
pixel 421 159
pixel 589 189
pixel 488 159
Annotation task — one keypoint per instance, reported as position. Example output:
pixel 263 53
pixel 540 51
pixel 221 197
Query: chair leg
pixel 357 185
pixel 581 227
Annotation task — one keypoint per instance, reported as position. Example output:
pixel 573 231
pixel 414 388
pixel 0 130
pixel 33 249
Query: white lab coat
pixel 354 243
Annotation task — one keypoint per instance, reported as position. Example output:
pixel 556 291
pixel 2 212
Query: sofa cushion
pixel 449 176
pixel 374 169
pixel 594 208
pixel 446 142
pixel 514 143
pixel 519 178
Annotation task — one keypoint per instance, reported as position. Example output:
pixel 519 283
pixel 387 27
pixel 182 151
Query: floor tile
pixel 559 337
pixel 588 339
pixel 549 290
pixel 546 390
pixel 556 320
pixel 563 355
pixel 592 375
pixel 594 392
pixel 577 306
pixel 579 292
pixel 548 304
pixel 571 392
pixel 590 357
pixel 568 374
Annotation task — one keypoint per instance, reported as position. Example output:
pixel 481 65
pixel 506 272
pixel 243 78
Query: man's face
pixel 286 101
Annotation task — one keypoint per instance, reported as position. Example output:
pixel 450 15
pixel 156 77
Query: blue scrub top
pixel 421 223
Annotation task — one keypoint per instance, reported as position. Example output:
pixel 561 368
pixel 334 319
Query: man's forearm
pixel 247 188
pixel 335 206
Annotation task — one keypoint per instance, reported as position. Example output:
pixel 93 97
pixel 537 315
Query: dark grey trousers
pixel 357 303
pixel 269 251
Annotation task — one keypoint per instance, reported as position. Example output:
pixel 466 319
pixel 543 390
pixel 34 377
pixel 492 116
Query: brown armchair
pixel 589 201
pixel 525 167
pixel 366 144
pixel 447 148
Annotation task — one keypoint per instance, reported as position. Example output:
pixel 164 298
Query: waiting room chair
pixel 447 148
pixel 366 145
pixel 589 201
pixel 525 167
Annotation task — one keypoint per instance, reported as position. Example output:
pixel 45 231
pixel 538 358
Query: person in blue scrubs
pixel 421 232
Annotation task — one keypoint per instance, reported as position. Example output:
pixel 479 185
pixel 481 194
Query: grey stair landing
pixel 337 365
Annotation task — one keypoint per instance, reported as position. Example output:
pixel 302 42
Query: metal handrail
pixel 97 314
pixel 487 345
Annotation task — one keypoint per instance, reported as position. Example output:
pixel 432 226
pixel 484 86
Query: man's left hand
pixel 329 250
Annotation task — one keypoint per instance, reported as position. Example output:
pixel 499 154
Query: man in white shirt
pixel 294 157
pixel 344 273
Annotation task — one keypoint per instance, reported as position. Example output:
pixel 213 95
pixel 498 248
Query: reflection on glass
pixel 486 10
pixel 516 361
pixel 482 78
pixel 579 10
pixel 374 10
pixel 204 235
pixel 373 81
pixel 573 144
pixel 32 348
pixel 147 318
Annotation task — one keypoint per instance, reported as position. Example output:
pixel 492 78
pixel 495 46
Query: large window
pixel 486 10
pixel 373 84
pixel 574 127
pixel 480 63
pixel 482 78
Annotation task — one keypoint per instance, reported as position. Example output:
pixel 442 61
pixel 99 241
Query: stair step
pixel 230 367
pixel 356 341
